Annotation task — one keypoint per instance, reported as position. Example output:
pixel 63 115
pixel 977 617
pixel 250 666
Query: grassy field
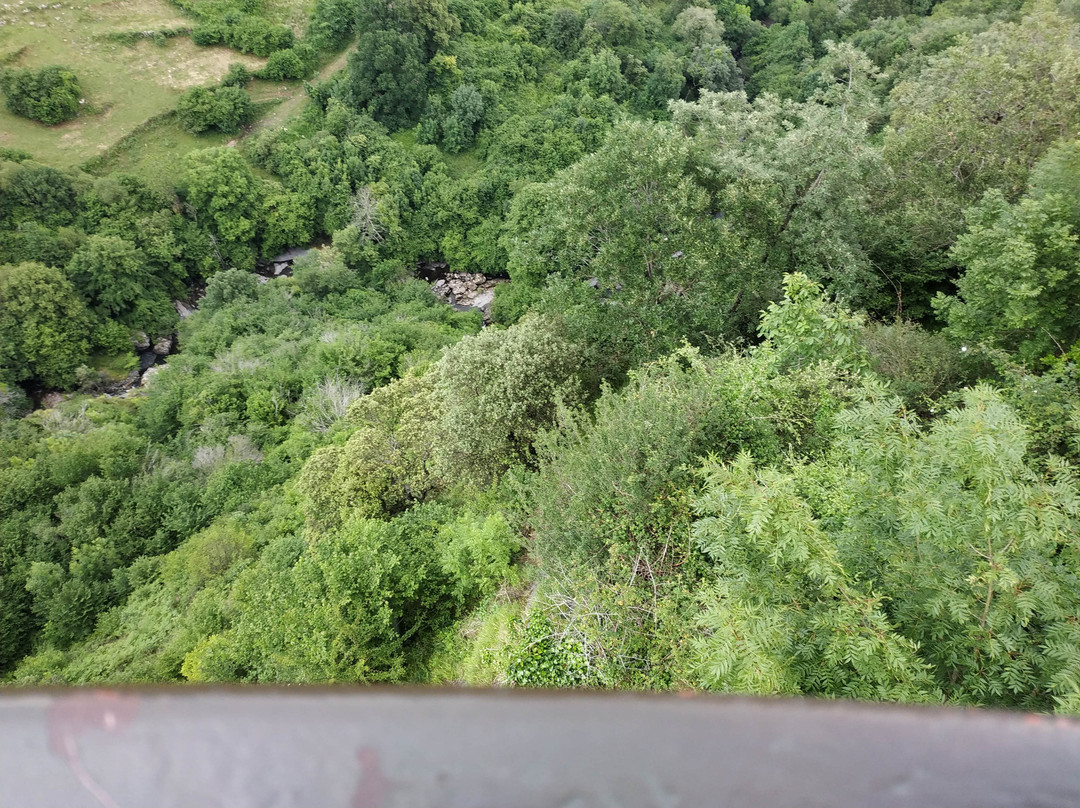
pixel 153 153
pixel 127 88
pixel 123 85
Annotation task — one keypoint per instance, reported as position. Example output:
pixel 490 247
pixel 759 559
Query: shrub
pixel 50 95
pixel 497 389
pixel 385 466
pixel 43 326
pixel 224 108
pixel 238 75
pixel 211 33
pixel 291 63
pixel 357 606
pixel 227 287
pixel 256 35
pixel 245 34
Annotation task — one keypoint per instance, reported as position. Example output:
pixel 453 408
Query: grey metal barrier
pixel 362 748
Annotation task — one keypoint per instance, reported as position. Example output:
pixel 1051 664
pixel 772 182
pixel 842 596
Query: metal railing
pixel 327 747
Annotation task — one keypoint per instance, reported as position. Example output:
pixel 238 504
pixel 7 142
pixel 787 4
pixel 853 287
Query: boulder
pixel 183 309
pixel 120 387
pixel 140 341
pixel 147 359
pixel 484 299
pixel 163 346
pixel 149 374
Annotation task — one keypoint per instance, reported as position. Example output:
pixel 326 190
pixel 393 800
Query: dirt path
pixel 292 105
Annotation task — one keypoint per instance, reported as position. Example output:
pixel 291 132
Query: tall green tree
pixel 1020 290
pixel 636 216
pixel 796 188
pixel 909 563
pixel 112 274
pixel 980 116
pixel 224 197
pixel 387 77
pixel 43 326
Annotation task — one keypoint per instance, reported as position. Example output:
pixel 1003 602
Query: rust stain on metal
pixel 71 716
pixel 372 786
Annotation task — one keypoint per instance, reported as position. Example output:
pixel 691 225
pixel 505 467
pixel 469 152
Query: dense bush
pixel 43 326
pixel 291 63
pixel 223 108
pixel 245 33
pixel 50 95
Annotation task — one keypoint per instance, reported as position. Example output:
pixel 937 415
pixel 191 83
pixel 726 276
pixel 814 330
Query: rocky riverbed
pixel 462 290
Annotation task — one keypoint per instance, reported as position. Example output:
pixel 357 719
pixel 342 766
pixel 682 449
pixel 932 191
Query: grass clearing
pixel 462 164
pixel 124 85
pixel 155 153
pixel 130 89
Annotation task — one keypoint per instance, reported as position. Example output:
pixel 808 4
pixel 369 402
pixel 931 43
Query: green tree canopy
pixel 224 196
pixel 1021 289
pixel 223 108
pixel 112 274
pixel 50 95
pixel 43 326
pixel 980 116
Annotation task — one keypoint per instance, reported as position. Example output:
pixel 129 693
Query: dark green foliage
pixel 466 112
pixel 117 282
pixel 38 193
pixel 388 73
pixel 43 326
pixel 331 23
pixel 713 68
pixel 986 109
pixel 224 196
pixel 50 95
pixel 649 244
pixel 615 23
pixel 564 29
pixel 387 77
pixel 223 108
pixel 245 33
pixel 238 75
pixel 776 59
pixel 32 241
pixel 1020 290
pixel 923 366
pixel 615 477
pixel 292 63
pixel 683 457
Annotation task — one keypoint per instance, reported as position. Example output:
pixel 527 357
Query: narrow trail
pixel 296 98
